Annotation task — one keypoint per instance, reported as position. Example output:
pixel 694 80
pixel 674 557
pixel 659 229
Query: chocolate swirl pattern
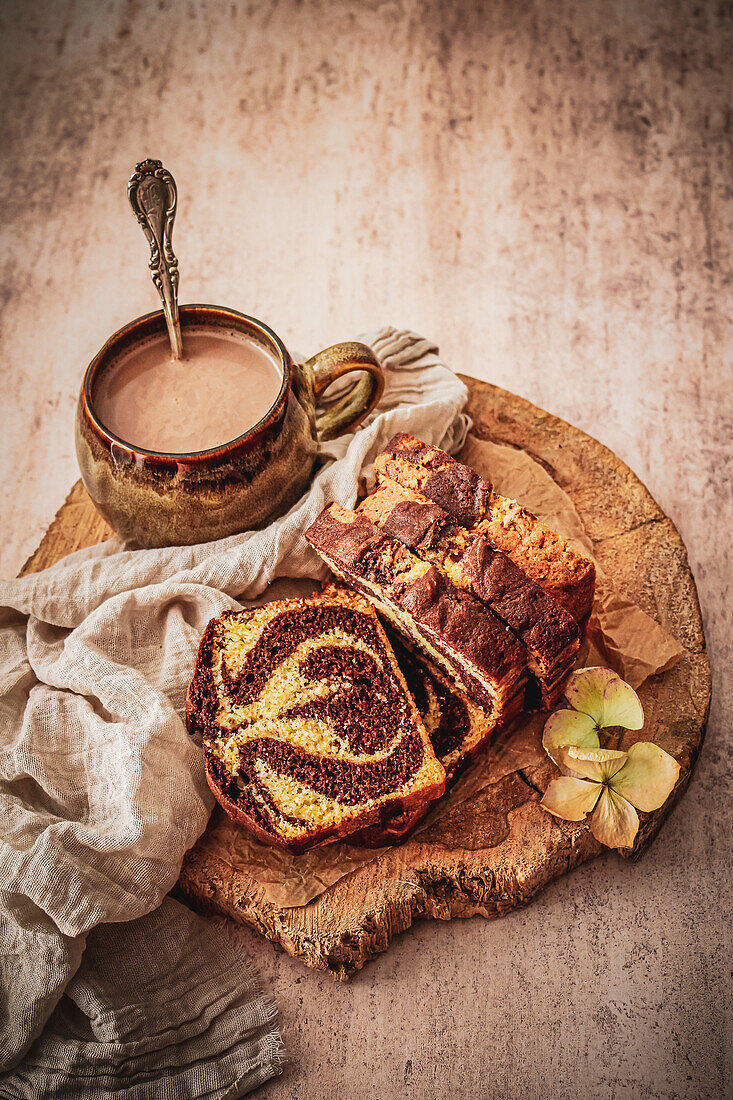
pixel 309 731
pixel 457 728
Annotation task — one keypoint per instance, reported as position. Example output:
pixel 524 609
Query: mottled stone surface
pixel 546 189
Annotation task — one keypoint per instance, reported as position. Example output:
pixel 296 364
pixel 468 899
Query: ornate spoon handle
pixel 153 196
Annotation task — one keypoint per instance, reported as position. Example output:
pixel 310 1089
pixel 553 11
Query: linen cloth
pixel 102 791
pixel 128 1024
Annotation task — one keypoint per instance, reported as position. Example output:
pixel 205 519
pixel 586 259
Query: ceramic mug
pixel 153 499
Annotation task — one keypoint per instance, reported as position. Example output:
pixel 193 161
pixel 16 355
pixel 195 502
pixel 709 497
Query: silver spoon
pixel 153 196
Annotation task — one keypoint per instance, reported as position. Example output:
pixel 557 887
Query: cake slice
pixel 462 636
pixel 309 732
pixel 550 634
pixel 457 728
pixel 565 575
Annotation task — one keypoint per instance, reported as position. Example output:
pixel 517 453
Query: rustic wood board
pixel 495 851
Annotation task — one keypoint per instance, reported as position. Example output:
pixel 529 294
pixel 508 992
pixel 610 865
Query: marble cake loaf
pixel 564 574
pixel 309 732
pixel 457 728
pixel 470 561
pixel 462 636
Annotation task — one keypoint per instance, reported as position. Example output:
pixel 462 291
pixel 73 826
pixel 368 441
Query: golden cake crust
pixel 472 562
pixel 565 575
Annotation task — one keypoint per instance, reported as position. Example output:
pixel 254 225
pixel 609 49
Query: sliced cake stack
pixel 482 586
pixel 565 575
pixel 468 558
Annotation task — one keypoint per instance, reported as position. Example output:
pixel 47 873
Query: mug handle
pixel 348 411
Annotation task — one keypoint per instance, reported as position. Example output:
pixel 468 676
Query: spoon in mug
pixel 153 196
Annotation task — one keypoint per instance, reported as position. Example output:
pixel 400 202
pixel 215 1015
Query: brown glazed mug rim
pixel 196 314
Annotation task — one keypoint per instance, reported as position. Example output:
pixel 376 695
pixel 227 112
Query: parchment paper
pixel 619 635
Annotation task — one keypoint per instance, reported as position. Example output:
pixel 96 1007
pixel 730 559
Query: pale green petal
pixel 615 822
pixel 648 776
pixel 585 690
pixel 569 727
pixel 597 764
pixel 605 697
pixel 571 799
pixel 621 706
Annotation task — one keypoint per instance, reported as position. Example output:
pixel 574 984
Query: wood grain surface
pixel 496 850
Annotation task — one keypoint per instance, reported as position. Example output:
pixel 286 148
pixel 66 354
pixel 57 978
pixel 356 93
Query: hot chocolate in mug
pixel 224 440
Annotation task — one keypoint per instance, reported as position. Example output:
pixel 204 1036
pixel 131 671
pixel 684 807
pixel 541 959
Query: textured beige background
pixel 545 188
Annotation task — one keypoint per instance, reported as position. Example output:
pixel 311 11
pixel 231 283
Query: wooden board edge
pixel 436 895
pixel 55 544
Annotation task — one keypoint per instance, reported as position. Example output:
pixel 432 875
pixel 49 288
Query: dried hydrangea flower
pixel 612 785
pixel 599 699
